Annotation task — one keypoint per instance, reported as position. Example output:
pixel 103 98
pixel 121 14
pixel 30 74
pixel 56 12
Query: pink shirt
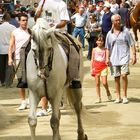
pixel 21 36
pixel 99 54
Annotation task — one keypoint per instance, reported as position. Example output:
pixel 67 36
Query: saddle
pixel 72 49
pixel 66 41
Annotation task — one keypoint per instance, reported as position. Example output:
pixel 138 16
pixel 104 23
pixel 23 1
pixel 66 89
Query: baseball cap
pixel 107 4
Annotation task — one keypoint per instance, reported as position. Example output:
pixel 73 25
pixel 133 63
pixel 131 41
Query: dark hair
pixel 101 37
pixel 12 14
pixel 22 15
pixel 6 16
pixel 93 16
pixel 32 13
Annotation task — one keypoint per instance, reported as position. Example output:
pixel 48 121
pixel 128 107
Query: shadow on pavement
pixel 135 100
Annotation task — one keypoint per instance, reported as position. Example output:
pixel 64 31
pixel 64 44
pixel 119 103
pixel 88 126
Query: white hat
pixel 107 4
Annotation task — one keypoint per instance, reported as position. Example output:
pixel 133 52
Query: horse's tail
pixel 74 97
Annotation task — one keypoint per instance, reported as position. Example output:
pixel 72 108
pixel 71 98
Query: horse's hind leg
pixel 77 96
pixel 32 120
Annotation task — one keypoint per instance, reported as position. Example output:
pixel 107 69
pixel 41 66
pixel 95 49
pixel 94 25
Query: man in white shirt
pixel 55 12
pixel 80 20
pixel 18 38
pixel 5 31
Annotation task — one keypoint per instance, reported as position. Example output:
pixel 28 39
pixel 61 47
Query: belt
pixel 80 27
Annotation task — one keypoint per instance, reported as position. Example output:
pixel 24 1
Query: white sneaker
pixel 49 110
pixel 41 113
pixel 117 101
pixel 23 105
pixel 98 101
pixel 125 100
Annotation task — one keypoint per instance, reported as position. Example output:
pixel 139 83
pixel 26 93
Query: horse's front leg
pixel 32 120
pixel 77 96
pixel 55 118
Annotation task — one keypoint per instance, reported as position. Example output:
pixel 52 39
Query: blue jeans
pixel 81 33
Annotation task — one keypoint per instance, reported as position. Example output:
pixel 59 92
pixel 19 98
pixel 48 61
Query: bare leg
pixel 125 84
pixel 117 85
pixel 22 93
pixel 97 80
pixel 44 102
pixel 105 84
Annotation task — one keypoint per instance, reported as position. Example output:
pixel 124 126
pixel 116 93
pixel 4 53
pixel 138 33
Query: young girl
pixel 99 67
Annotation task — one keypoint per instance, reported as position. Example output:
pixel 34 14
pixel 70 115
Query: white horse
pixel 55 80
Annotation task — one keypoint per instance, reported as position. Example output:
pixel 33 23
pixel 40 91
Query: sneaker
pixel 98 101
pixel 117 101
pixel 41 113
pixel 49 110
pixel 109 98
pixel 23 105
pixel 125 100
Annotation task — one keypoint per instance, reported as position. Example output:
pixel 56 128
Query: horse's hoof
pixel 85 137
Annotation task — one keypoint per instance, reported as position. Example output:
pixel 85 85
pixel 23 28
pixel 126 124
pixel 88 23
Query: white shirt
pixel 21 36
pixel 54 11
pixel 5 32
pixel 80 20
pixel 114 8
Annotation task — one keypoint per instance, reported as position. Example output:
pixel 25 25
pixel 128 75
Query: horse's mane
pixel 42 34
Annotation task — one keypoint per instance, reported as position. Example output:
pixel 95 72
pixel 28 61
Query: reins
pixel 44 71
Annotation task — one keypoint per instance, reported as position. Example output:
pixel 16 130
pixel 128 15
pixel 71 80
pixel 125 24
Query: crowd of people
pixel 103 24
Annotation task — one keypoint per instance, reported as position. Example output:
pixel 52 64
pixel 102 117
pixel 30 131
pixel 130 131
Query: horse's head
pixel 42 42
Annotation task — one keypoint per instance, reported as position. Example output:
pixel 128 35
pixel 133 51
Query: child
pixel 99 67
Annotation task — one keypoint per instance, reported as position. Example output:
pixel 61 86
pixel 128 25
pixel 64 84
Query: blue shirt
pixel 106 22
pixel 119 47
